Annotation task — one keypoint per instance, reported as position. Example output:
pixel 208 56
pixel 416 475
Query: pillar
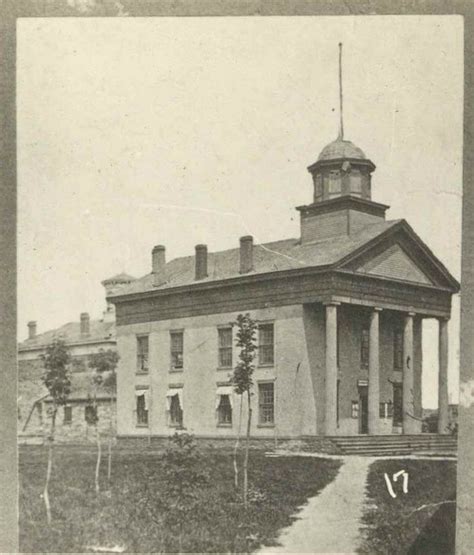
pixel 330 401
pixel 409 423
pixel 374 388
pixel 443 376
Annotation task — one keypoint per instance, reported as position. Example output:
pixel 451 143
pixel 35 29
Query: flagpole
pixel 341 123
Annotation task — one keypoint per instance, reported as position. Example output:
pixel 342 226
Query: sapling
pixel 56 379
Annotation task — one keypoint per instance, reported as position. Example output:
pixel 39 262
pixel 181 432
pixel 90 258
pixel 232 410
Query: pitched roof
pixel 99 330
pixel 287 254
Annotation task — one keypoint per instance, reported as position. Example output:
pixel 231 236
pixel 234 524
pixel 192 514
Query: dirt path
pixel 330 522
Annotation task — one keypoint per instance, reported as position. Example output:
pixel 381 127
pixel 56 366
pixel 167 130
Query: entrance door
pixel 363 410
pixel 397 404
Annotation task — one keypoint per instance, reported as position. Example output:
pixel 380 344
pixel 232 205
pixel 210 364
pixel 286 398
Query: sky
pixel 179 131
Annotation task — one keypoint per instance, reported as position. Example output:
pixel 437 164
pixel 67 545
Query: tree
pixel 242 377
pixel 56 379
pixel 104 363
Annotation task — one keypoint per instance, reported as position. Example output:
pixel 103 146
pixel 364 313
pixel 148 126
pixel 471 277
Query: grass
pixel 419 522
pixel 131 514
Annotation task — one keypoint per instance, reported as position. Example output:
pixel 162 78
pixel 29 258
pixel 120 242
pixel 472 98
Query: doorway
pixel 397 404
pixel 363 409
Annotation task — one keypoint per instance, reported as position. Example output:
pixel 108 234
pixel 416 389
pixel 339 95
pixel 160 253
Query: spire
pixel 341 122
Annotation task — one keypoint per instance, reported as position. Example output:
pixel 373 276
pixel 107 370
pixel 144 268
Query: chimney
pixel 85 323
pixel 31 330
pixel 201 261
pixel 158 263
pixel 246 254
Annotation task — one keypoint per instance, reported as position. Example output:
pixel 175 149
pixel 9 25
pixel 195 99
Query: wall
pixel 78 430
pixel 299 372
pixel 294 399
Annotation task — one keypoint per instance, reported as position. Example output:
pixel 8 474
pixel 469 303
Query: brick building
pixel 339 312
pixel 82 338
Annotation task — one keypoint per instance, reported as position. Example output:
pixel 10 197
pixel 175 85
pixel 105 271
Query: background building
pixel 83 338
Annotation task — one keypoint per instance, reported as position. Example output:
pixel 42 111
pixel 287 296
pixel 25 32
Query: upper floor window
pixel 364 349
pixel 266 408
pixel 265 344
pixel 398 350
pixel 142 353
pixel 141 407
pixel 225 347
pixel 177 346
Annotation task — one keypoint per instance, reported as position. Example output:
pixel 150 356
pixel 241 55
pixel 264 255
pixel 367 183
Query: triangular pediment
pixel 395 263
pixel 401 255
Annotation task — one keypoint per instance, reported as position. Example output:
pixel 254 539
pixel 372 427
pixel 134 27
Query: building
pixel 339 311
pixel 83 338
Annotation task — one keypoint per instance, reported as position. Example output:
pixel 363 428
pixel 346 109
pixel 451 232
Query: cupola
pixel 342 199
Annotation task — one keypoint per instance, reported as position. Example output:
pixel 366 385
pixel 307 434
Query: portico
pixel 406 380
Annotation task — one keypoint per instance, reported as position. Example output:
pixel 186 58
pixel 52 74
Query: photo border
pixel 11 10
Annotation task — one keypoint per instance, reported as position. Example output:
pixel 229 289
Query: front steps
pixel 386 445
pixel 432 444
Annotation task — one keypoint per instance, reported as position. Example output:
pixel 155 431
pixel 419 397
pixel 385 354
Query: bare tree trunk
pixel 236 447
pixel 109 464
pixel 246 460
pixel 99 456
pixel 50 467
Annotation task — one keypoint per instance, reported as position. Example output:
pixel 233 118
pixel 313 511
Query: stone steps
pixel 396 444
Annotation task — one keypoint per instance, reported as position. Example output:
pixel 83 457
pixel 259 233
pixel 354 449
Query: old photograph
pixel 239 267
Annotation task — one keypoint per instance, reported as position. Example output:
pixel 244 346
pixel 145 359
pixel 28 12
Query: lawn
pixel 132 514
pixel 421 521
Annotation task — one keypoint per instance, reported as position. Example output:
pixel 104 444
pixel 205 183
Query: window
pixel 142 408
pixel 224 410
pixel 265 344
pixel 67 415
pixel 266 404
pixel 364 349
pixel 356 183
pixel 334 183
pixel 176 339
pixel 142 353
pixel 318 186
pixel 398 350
pixel 90 413
pixel 355 409
pixel 176 412
pixel 225 347
pixel 386 410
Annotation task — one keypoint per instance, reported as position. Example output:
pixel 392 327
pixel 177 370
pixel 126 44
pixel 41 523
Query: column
pixel 330 401
pixel 409 423
pixel 443 376
pixel 374 389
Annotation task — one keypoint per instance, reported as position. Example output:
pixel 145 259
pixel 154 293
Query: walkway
pixel 330 522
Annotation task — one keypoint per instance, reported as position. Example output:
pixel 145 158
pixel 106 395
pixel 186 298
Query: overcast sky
pixel 136 132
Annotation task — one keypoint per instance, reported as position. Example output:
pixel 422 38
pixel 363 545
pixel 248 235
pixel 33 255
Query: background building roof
pixel 99 330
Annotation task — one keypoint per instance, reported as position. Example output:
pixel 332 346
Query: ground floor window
pixel 224 410
pixel 67 415
pixel 142 408
pixel 386 410
pixel 176 413
pixel 90 413
pixel 355 409
pixel 266 398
